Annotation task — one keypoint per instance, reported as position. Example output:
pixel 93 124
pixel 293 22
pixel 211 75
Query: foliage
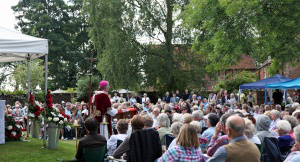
pixel 141 43
pixel 5 67
pixel 31 151
pixel 64 25
pixel 232 84
pixel 15 92
pixel 83 85
pixel 13 131
pixel 225 30
pixel 36 75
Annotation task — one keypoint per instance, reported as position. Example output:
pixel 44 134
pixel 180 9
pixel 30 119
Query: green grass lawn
pixel 32 150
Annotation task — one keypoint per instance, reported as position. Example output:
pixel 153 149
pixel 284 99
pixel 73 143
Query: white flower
pixel 61 122
pixel 31 115
pixel 49 118
pixel 59 115
pixel 10 127
pixel 55 119
pixel 9 115
pixel 18 126
pixel 56 109
pixel 13 133
pixel 53 113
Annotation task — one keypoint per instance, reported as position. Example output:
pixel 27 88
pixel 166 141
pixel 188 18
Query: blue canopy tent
pixel 292 84
pixel 262 83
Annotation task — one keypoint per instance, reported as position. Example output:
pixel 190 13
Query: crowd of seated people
pixel 189 127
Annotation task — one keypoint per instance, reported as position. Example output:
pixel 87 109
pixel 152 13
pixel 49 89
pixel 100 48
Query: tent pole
pixel 28 89
pixel 239 95
pixel 265 96
pixel 46 89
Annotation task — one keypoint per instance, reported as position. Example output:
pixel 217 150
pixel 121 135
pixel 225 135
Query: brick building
pixel 289 70
pixel 246 63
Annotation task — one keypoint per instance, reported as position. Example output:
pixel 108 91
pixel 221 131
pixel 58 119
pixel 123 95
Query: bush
pixel 232 84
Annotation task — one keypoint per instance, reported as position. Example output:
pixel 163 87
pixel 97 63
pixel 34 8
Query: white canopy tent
pixel 16 46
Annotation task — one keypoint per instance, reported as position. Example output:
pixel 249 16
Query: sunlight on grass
pixel 33 151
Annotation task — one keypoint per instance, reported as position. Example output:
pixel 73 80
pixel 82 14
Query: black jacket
pixel 144 146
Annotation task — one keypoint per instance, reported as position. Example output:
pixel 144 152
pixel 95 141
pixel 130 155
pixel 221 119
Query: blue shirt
pixel 208 133
pixel 220 154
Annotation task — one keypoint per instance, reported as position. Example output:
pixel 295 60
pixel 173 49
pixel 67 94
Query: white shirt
pixel 155 124
pixel 112 142
pixel 116 98
pixel 145 99
pixel 85 111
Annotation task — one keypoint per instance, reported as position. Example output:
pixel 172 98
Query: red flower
pixel 18 135
pixel 49 105
pixel 37 107
pixel 14 128
pixel 13 114
pixel 11 136
pixel 31 98
pixel 42 109
pixel 37 113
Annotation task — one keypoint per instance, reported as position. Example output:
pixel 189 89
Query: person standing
pixel 277 97
pixel 186 95
pixel 102 103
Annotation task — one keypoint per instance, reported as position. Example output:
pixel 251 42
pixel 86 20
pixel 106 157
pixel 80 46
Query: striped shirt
pixel 178 153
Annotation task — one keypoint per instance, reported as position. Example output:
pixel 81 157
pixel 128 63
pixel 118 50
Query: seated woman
pixel 249 132
pixel 284 139
pixel 164 124
pixel 188 147
pixel 295 154
pixel 122 127
pixel 175 128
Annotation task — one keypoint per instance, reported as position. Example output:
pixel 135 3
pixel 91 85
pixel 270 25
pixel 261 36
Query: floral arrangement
pixel 53 114
pixel 13 131
pixel 35 111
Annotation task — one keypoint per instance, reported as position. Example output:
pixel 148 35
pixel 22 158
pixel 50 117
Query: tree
pixel 83 86
pixel 36 75
pixel 65 27
pixel 225 30
pixel 232 83
pixel 141 42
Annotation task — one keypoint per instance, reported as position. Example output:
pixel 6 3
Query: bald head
pixel 236 126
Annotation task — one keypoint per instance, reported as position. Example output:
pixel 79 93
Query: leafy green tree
pixel 83 85
pixel 36 77
pixel 226 29
pixel 65 27
pixel 141 42
pixel 232 83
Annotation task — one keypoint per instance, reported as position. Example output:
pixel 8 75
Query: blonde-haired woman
pixel 188 147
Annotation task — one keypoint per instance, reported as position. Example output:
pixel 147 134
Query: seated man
pixel 235 150
pixel 92 139
pixel 122 127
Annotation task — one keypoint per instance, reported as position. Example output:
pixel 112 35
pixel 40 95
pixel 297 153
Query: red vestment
pixel 102 103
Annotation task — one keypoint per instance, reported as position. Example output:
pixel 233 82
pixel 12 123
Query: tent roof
pixel 292 84
pixel 262 83
pixel 16 46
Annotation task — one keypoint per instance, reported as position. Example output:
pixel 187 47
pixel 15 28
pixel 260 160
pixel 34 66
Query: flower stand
pixel 35 129
pixel 53 135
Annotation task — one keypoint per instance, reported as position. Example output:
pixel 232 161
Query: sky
pixel 7 17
